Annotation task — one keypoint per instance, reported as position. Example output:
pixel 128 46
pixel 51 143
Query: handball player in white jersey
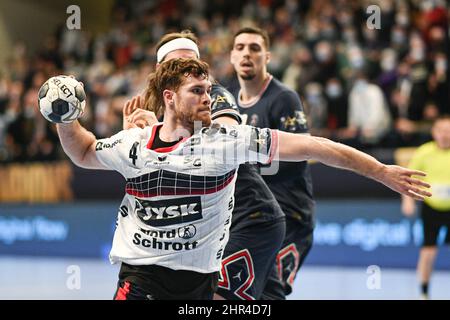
pixel 175 216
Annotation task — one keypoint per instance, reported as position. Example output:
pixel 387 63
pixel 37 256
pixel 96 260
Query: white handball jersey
pixel 177 207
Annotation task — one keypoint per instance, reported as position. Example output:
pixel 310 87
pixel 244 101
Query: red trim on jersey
pixel 165 191
pixel 224 282
pixel 274 145
pixel 122 292
pixel 165 149
pixel 283 253
pixel 152 136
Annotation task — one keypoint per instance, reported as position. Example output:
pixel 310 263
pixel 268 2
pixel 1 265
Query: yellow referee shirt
pixel 436 163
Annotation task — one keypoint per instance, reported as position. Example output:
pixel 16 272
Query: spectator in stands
pixel 368 116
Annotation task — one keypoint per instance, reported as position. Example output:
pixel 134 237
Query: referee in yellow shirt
pixel 433 158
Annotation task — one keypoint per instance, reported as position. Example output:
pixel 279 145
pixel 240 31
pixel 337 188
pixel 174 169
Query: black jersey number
pixel 133 152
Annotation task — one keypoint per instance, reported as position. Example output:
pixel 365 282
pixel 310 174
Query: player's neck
pixel 173 130
pixel 252 89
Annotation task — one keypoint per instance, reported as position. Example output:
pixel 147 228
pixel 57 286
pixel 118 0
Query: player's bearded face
pixel 193 102
pixel 249 55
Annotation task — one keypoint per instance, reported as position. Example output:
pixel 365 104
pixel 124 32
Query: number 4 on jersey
pixel 133 152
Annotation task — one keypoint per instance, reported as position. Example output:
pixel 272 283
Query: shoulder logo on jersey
pixel 294 123
pixel 220 99
pixel 101 145
pixel 169 212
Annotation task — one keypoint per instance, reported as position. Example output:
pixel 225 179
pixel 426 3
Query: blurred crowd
pixel 364 86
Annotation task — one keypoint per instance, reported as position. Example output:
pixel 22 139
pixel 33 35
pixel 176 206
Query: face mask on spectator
pixel 313 93
pixel 333 90
pixel 29 112
pixel 323 54
pixel 349 36
pixel 402 19
pixel 388 64
pixel 360 84
pixel 328 33
pixel 418 54
pixel 398 37
pixel 427 5
pixel 440 65
pixel 357 61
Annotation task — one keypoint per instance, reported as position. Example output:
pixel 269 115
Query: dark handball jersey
pixel 279 107
pixel 254 202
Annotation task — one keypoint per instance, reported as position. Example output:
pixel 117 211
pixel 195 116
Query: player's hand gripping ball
pixel 62 99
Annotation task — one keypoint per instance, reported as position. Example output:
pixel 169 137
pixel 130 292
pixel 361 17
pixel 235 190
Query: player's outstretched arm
pixel 79 145
pixel 293 147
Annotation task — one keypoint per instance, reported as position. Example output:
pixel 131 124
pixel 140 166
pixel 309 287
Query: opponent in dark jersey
pixel 258 226
pixel 266 102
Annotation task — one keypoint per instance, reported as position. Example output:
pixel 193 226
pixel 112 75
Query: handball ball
pixel 62 99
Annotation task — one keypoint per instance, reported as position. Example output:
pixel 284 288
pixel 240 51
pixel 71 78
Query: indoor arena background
pixel 57 220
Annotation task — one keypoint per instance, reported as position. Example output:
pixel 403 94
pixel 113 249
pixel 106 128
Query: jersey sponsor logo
pixel 169 212
pixel 158 244
pixel 185 232
pixel 101 145
pixel 162 157
pixel 192 161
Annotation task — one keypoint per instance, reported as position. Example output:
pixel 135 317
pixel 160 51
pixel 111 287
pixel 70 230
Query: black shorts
pixel 296 246
pixel 432 221
pixel 248 258
pixel 154 282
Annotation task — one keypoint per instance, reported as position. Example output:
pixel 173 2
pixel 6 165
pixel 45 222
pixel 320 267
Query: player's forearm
pixel 345 157
pixel 302 147
pixel 77 143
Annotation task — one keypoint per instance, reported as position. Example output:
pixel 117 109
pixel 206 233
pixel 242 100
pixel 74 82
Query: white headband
pixel 176 44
